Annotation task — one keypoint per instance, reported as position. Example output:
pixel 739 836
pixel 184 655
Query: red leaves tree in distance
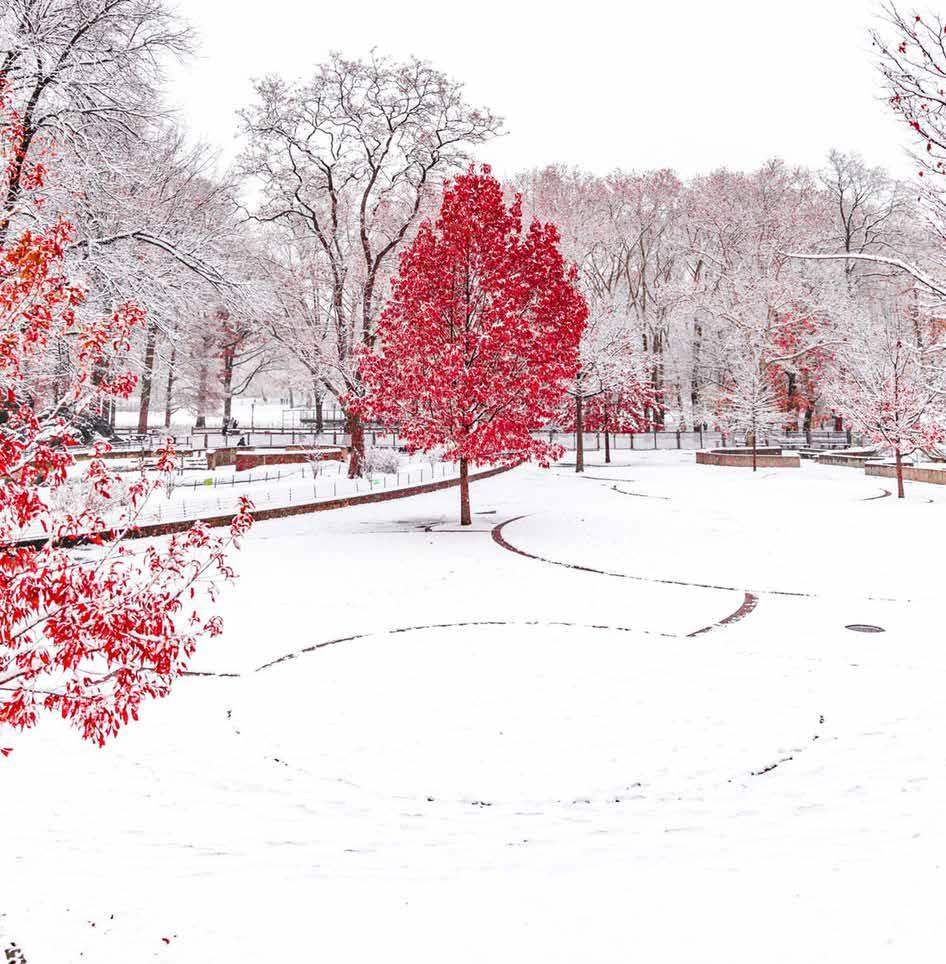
pixel 87 634
pixel 480 337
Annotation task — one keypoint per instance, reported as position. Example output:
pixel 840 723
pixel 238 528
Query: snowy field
pixel 645 735
pixel 200 493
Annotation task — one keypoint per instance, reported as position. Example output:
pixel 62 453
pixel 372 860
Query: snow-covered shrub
pixel 71 497
pixel 382 460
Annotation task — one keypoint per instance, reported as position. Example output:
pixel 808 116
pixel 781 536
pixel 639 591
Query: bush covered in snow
pixel 382 460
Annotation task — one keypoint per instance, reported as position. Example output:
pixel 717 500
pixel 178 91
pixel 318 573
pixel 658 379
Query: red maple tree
pixel 476 346
pixel 87 634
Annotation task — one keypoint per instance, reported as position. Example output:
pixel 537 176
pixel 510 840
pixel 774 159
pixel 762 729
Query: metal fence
pixel 277 438
pixel 593 441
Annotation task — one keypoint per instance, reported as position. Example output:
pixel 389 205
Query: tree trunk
pixel 579 434
pixel 170 387
pixel 754 453
pixel 144 405
pixel 203 388
pixel 607 436
pixel 227 380
pixel 356 450
pixel 465 518
pixel 319 423
pixel 899 460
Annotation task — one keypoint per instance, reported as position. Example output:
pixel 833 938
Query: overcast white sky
pixel 680 83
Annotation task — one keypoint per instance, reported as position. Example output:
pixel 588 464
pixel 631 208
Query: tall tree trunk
pixel 356 449
pixel 754 450
pixel 144 404
pixel 899 459
pixel 227 380
pixel 465 518
pixel 579 433
pixel 319 420
pixel 203 377
pixel 607 437
pixel 169 394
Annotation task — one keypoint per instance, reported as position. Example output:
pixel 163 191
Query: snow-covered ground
pixel 199 493
pixel 500 757
pixel 195 494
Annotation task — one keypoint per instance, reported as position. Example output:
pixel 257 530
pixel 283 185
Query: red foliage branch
pixel 85 635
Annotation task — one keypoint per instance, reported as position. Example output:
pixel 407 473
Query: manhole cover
pixel 865 628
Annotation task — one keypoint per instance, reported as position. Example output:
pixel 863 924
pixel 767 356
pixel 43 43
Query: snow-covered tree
pixel 912 61
pixel 616 379
pixel 887 384
pixel 756 308
pixel 747 402
pixel 345 163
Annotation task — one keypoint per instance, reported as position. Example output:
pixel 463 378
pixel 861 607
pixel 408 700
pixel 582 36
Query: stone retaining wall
pixel 836 458
pixel 745 461
pixel 747 450
pixel 233 453
pixel 252 460
pixel 911 473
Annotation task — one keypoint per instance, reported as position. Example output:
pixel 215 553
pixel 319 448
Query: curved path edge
pixel 748 604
